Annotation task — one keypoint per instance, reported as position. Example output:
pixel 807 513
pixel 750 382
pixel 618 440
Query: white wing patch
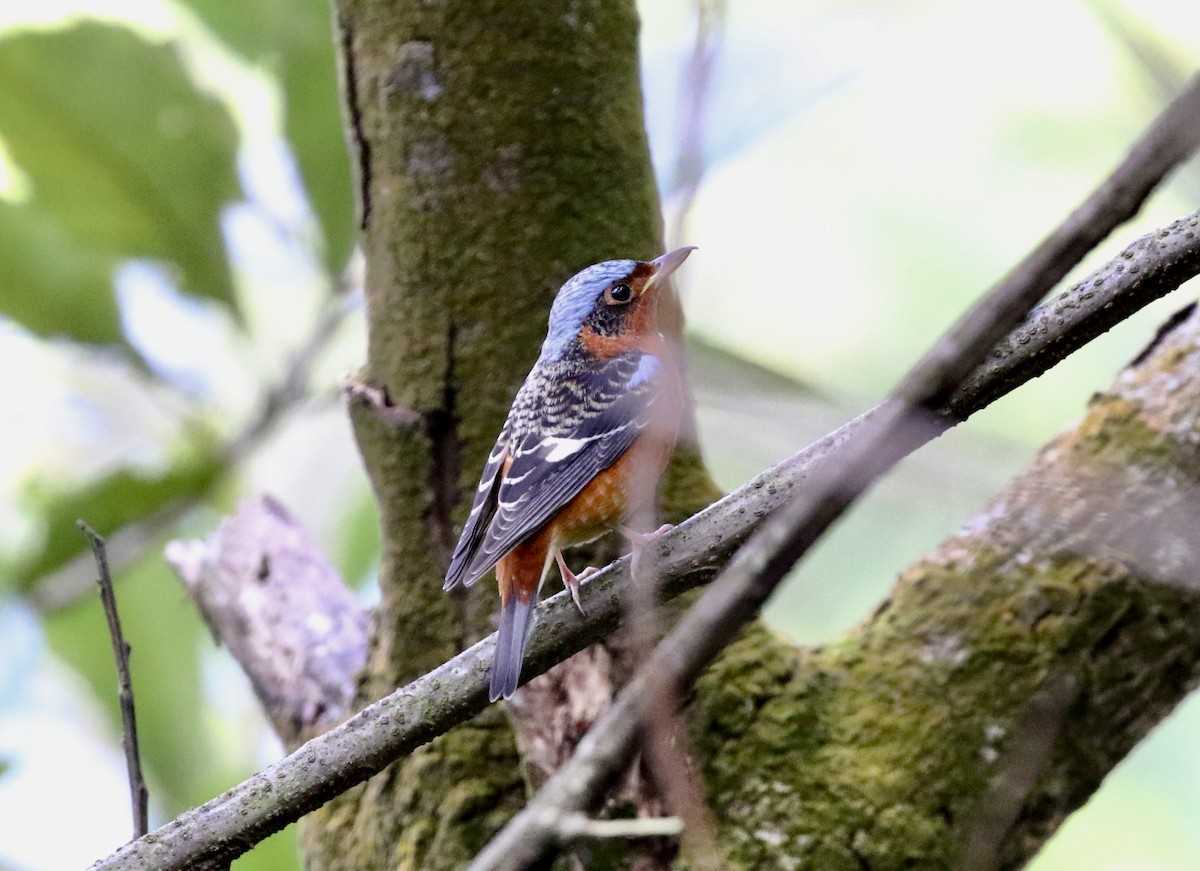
pixel 561 448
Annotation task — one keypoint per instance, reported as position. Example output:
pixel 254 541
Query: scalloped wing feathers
pixel 567 424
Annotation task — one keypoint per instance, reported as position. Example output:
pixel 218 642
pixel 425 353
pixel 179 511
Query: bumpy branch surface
pixel 690 555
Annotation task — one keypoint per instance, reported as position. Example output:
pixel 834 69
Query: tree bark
pixel 1006 674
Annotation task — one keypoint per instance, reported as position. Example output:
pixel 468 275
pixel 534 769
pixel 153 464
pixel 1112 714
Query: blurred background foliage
pixel 179 299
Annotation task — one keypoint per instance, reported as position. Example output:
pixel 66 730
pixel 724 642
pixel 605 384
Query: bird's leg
pixel 571 580
pixel 639 540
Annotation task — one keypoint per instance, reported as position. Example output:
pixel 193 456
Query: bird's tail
pixel 515 616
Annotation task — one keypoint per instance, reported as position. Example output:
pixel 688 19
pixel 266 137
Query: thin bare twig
pixel 666 744
pixel 690 556
pixel 695 96
pixel 910 415
pixel 669 752
pixel 290 388
pixel 138 795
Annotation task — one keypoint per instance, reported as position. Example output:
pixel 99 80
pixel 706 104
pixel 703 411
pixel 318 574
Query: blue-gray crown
pixel 576 299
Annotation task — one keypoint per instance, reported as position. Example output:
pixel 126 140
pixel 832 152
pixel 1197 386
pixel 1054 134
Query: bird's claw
pixel 573 589
pixel 638 542
pixel 641 539
pixel 572 581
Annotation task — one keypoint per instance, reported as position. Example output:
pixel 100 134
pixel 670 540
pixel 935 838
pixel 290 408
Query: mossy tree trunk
pixel 501 146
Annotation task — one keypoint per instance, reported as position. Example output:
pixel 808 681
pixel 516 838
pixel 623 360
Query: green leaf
pixel 294 38
pixel 314 127
pixel 358 540
pixel 52 283
pixel 280 852
pixel 108 505
pixel 125 159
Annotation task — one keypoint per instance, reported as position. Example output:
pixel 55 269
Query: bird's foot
pixel 641 539
pixel 572 581
pixel 638 542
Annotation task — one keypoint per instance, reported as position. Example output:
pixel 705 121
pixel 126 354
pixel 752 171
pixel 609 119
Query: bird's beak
pixel 669 262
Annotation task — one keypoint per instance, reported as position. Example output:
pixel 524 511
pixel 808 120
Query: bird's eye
pixel 620 293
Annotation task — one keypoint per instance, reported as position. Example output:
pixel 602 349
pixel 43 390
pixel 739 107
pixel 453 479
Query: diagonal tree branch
pixel 691 555
pixel 268 593
pixel 910 415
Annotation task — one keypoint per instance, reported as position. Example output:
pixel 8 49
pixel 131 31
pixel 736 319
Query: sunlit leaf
pixel 277 853
pixel 358 541
pixel 108 505
pixel 295 40
pixel 52 283
pixel 125 159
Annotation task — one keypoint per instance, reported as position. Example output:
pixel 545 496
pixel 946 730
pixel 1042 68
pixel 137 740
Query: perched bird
pixel 584 446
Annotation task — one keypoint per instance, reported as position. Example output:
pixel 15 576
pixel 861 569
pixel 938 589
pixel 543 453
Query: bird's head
pixel 608 307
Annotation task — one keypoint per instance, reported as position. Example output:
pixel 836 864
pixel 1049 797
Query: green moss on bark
pixel 445 801
pixel 1006 674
